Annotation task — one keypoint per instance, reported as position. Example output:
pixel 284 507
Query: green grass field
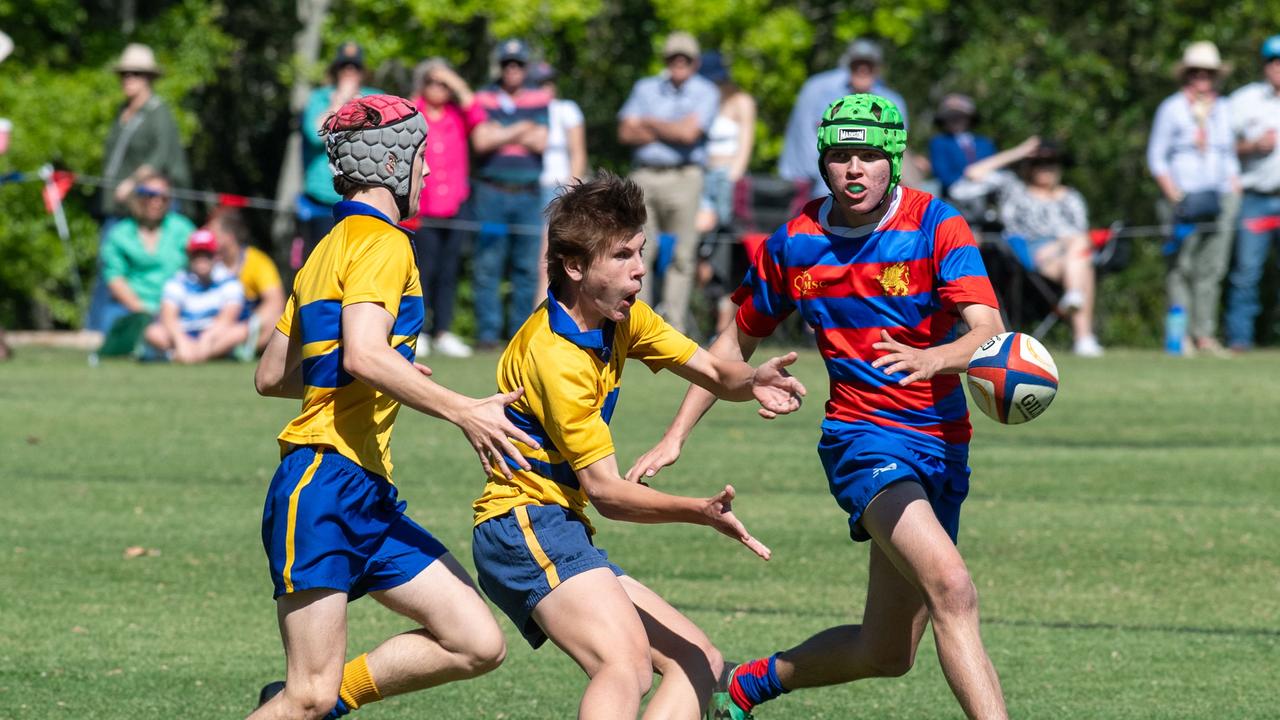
pixel 1125 545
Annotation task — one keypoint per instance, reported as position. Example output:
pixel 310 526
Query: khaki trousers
pixel 1197 270
pixel 671 197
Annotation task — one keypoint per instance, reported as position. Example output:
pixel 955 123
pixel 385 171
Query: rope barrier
pixel 234 200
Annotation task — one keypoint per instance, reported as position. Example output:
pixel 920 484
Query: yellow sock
pixel 358 687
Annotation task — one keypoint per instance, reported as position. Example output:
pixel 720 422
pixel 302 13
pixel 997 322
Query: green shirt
pixel 123 256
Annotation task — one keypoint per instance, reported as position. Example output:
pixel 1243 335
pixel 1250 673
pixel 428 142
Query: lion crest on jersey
pixel 895 279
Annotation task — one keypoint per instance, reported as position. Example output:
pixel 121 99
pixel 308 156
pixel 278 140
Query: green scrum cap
pixel 864 121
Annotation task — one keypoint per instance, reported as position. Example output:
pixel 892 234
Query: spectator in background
pixel 1045 225
pixel 142 252
pixel 452 114
pixel 258 277
pixel 858 72
pixel 142 140
pixel 1255 116
pixel 666 118
pixel 1192 155
pixel 200 309
pixel 509 146
pixel 315 206
pixel 730 143
pixel 955 146
pixel 565 159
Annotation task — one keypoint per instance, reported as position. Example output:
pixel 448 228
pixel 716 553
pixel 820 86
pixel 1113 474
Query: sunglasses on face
pixel 148 194
pixel 508 64
pixel 132 74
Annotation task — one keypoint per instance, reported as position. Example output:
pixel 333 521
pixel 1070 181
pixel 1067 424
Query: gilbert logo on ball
pixel 1012 378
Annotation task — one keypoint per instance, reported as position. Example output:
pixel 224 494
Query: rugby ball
pixel 1012 378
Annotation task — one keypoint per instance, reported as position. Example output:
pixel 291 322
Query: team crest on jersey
pixel 895 279
pixel 390 165
pixel 805 285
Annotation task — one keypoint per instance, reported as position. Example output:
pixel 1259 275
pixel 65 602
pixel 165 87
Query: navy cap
pixel 349 53
pixel 1271 48
pixel 513 49
pixel 713 67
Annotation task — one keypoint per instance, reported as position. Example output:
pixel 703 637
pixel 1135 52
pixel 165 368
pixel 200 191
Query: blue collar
pixel 346 208
pixel 598 341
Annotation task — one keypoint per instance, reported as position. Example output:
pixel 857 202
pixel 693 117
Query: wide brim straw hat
pixel 138 58
pixel 1201 55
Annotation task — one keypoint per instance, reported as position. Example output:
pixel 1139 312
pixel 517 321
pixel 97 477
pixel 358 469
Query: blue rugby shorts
pixel 522 556
pixel 860 464
pixel 329 523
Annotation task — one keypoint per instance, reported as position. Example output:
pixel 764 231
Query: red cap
pixel 202 240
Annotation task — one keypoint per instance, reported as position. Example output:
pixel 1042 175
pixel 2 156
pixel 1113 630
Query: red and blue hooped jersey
pixel 906 276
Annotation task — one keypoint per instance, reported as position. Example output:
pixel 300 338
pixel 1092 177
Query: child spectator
pixel 201 306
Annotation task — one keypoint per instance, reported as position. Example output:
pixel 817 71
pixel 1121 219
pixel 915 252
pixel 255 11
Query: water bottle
pixel 1175 330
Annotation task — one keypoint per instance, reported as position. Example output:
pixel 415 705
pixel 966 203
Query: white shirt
pixel 1255 109
pixel 199 304
pixel 562 116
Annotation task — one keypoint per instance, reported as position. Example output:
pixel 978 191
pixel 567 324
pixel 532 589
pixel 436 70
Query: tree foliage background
pixel 1088 73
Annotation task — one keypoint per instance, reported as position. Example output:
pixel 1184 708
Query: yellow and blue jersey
pixel 365 258
pixel 571 379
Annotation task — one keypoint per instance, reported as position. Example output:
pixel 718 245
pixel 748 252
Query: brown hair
pixel 586 219
pixel 232 223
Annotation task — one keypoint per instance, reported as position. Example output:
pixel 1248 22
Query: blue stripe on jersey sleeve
pixel 610 402
pixel 963 261
pixel 871 312
pixel 321 320
pixel 409 316
pixel 326 371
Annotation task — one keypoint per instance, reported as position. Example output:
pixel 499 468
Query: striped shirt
pixel 907 275
pixel 199 302
pixel 513 163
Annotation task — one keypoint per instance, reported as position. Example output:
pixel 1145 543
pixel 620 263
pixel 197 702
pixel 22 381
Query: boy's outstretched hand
pixel 719 514
pixel 777 391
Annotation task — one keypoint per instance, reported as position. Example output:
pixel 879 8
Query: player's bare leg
pixel 458 638
pixel 902 523
pixel 681 653
pixel 313 625
pixel 592 619
pixel 884 645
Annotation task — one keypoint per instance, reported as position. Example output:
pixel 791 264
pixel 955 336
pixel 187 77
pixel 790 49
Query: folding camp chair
pixel 1025 294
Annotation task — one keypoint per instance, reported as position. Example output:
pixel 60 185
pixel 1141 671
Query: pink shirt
pixel 446 153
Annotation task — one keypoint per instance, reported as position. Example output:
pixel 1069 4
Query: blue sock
pixel 755 682
pixel 338 711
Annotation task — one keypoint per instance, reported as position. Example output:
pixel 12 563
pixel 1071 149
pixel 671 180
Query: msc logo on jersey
pixel 848 134
pixel 895 279
pixel 806 286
